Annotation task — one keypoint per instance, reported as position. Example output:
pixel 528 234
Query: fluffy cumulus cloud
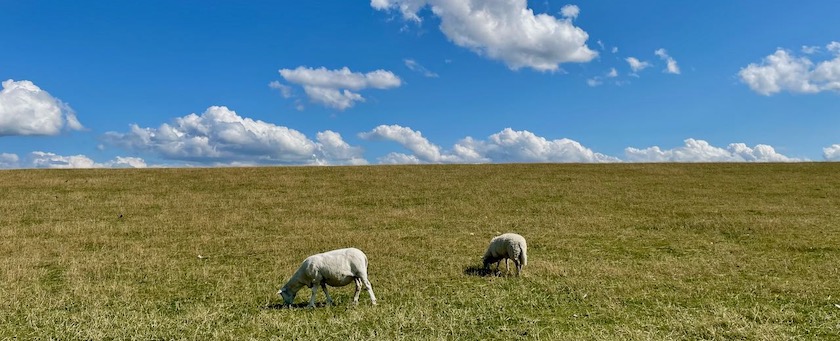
pixel 511 145
pixel 332 149
pixel 9 160
pixel 41 159
pixel 702 151
pixel 832 153
pixel 570 11
pixel 221 136
pixel 503 147
pixel 26 109
pixel 784 71
pixel 671 63
pixel 335 88
pixel 424 151
pixel 505 30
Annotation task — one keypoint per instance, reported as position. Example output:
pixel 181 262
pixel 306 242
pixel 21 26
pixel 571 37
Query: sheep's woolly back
pixel 336 267
pixel 508 245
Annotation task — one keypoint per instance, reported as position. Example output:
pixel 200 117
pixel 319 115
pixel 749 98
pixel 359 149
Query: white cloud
pixel 285 90
pixel 334 98
pixel 570 11
pixel 511 145
pixel 25 109
pixel 221 136
pixel 832 153
pixel 413 65
pixel 506 146
pixel 400 159
pixel 9 160
pixel 335 88
pixel 636 65
pixel 41 159
pixel 833 47
pixel 332 147
pixel 341 79
pixel 702 151
pixel 782 71
pixel 779 71
pixel 408 138
pixel 671 63
pixel 598 80
pixel 505 30
pixel 51 160
pixel 127 162
pixel 810 49
pixel 408 8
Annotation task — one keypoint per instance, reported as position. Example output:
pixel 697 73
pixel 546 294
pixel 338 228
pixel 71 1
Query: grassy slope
pixel 624 251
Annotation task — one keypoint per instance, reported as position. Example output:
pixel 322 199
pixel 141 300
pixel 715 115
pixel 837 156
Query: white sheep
pixel 507 246
pixel 336 268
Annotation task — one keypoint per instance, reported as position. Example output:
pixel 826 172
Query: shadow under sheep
pixel 302 305
pixel 480 271
pixel 281 305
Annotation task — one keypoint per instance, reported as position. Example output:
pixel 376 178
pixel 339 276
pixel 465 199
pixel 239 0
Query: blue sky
pixel 219 83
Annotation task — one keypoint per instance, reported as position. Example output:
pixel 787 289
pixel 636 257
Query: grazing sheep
pixel 507 246
pixel 336 268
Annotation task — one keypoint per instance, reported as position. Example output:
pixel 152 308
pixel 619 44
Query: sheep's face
pixel 288 297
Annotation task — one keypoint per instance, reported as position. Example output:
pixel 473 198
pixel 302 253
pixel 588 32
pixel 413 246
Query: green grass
pixel 619 251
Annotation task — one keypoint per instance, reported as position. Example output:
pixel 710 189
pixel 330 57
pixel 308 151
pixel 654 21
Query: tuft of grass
pixel 619 251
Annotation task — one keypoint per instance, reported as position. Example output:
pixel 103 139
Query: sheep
pixel 336 268
pixel 507 246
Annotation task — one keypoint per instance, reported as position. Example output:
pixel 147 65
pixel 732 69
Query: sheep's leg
pixel 327 293
pixel 518 266
pixel 369 290
pixel 507 267
pixel 312 299
pixel 358 290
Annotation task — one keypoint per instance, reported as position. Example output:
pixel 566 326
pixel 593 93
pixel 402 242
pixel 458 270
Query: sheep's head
pixel 287 296
pixel 487 260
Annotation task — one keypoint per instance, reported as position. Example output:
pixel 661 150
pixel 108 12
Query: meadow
pixel 616 252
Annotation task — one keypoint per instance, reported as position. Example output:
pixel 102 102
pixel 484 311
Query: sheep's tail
pixel 523 254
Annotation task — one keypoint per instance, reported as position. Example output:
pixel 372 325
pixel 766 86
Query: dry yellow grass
pixel 622 251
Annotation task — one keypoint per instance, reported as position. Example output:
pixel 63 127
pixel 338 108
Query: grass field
pixel 617 251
